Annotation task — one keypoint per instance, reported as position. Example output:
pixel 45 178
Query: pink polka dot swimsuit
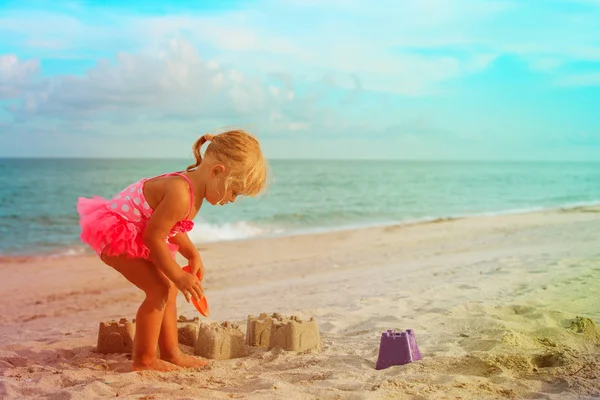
pixel 130 203
pixel 116 226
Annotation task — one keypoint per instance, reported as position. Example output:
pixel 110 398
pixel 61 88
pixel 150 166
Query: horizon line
pixel 300 159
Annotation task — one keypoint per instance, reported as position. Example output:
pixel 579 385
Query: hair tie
pixel 209 137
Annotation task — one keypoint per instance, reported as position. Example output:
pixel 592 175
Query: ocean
pixel 38 196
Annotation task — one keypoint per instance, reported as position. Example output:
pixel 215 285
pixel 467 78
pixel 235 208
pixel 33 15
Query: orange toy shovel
pixel 202 305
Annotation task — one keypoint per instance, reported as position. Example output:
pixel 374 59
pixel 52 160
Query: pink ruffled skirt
pixel 105 231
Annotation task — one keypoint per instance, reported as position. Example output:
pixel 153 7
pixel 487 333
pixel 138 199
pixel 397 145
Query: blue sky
pixel 434 79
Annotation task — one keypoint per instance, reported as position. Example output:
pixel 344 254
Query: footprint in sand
pixel 554 359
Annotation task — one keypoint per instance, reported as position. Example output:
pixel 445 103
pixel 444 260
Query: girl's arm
pixel 172 208
pixel 186 247
pixel 190 252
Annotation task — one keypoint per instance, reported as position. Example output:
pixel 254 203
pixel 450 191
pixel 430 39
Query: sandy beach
pixel 502 307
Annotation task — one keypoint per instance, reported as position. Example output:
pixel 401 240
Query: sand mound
pixel 547 348
pixel 587 328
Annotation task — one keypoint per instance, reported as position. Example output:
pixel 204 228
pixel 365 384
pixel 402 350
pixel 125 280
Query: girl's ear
pixel 217 169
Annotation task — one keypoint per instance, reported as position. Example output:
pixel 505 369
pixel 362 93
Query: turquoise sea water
pixel 38 196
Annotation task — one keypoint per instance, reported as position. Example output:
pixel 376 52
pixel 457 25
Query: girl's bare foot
pixel 155 365
pixel 185 360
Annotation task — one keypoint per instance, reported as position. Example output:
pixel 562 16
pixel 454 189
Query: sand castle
pixel 258 332
pixel 220 341
pixel 187 330
pixel 291 334
pixel 116 337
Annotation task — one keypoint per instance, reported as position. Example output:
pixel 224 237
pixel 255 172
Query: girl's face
pixel 216 192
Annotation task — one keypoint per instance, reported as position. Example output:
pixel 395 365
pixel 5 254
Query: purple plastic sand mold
pixel 397 348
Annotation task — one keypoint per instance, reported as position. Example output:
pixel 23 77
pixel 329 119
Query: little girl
pixel 139 231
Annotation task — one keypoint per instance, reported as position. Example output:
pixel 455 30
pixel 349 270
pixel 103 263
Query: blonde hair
pixel 242 155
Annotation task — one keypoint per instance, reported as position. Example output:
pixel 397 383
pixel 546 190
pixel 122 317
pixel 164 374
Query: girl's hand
pixel 196 266
pixel 190 286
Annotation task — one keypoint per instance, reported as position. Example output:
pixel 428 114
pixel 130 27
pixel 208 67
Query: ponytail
pixel 196 150
pixel 241 152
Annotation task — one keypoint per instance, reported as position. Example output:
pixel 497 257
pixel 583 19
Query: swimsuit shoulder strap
pixel 191 191
pixel 180 173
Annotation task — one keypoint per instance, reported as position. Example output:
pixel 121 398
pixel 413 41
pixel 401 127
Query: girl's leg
pixel 168 342
pixel 156 286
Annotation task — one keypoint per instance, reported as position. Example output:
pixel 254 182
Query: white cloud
pixel 345 38
pixel 175 90
pixel 15 75
pixel 587 79
pixel 275 65
pixel 349 37
pixel 309 38
pixel 236 32
pixel 545 64
pixel 174 81
pixel 386 44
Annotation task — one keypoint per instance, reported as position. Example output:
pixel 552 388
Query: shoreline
pixel 83 251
